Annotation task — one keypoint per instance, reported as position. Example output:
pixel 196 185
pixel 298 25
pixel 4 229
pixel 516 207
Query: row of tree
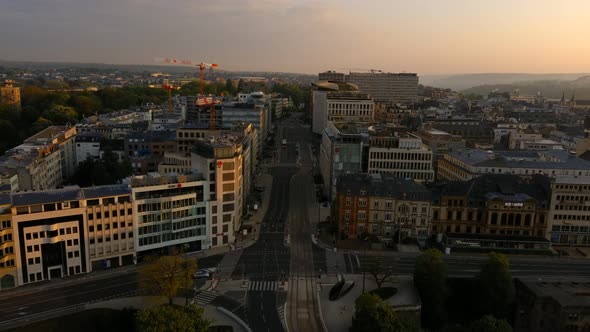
pixel 446 302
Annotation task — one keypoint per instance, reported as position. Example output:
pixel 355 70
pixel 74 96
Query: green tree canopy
pixel 61 115
pixel 165 275
pixel 170 318
pixel 430 278
pixel 496 285
pixel 373 314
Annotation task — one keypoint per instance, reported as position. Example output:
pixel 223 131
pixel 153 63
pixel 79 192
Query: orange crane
pixel 202 100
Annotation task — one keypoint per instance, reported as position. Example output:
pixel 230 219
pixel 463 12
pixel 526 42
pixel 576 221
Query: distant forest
pixel 549 89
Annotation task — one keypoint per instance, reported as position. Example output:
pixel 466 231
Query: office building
pixel 381 205
pixel 569 217
pixel 110 232
pixel 221 161
pixel 10 94
pixel 387 88
pixel 48 229
pixel 340 103
pixel 341 151
pixel 170 213
pixel 333 76
pixel 399 153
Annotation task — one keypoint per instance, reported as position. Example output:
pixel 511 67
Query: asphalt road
pixel 265 262
pixel 34 302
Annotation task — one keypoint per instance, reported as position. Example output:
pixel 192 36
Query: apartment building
pixel 470 163
pixel 48 228
pixel 170 212
pixel 146 149
pixel 221 162
pixel 387 87
pixel 87 147
pixel 569 217
pixel 381 205
pixel 109 230
pixel 10 94
pixel 493 211
pixel 518 138
pixel 44 160
pixel 399 153
pixel 8 271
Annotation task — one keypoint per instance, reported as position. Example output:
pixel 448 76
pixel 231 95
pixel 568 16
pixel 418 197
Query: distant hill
pixel 466 81
pixel 145 68
pixel 552 89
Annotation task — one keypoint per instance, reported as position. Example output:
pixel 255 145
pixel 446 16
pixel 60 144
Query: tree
pixel 171 318
pixel 373 314
pixel 430 278
pixel 229 87
pixel 496 285
pixel 381 272
pixel 61 115
pixel 489 323
pixel 165 275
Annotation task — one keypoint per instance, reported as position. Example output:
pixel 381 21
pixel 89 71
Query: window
pixel 388 204
pixel 362 203
pixel 347 215
pixel 348 202
pixel 75 242
pixel 37 260
pixel 362 215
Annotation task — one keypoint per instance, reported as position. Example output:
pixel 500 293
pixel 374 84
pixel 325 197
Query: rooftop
pixel 382 185
pixel 108 190
pixel 558 159
pixel 566 292
pixel 70 193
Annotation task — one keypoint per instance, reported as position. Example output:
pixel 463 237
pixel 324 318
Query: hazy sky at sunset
pixel 424 36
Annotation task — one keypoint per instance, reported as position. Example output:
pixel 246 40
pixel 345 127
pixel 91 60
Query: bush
pixel 384 292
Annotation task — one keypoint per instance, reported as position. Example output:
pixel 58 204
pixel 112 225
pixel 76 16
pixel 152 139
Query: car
pixel 204 273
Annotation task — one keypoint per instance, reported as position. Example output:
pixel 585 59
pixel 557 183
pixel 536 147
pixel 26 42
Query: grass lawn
pixel 93 320
pixel 384 292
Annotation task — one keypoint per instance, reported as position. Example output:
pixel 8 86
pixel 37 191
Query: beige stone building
pixel 569 216
pixel 8 273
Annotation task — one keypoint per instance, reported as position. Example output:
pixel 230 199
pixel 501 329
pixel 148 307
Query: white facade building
pixel 171 212
pixel 404 156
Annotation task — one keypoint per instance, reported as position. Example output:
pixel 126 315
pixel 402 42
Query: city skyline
pixel 306 36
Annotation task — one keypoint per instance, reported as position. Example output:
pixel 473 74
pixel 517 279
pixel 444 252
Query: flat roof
pixel 566 292
pixel 108 190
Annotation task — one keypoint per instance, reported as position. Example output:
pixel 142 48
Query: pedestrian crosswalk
pixel 205 297
pixel 263 286
pixel 281 310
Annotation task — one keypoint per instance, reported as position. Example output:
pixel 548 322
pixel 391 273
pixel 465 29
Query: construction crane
pixel 202 101
pixel 169 87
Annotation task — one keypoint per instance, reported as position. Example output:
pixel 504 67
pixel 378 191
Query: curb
pixel 236 318
pixel 325 329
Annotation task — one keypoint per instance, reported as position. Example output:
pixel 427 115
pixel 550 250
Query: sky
pixel 306 36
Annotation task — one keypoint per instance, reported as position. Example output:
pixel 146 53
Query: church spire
pixel 573 100
pixel 563 96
